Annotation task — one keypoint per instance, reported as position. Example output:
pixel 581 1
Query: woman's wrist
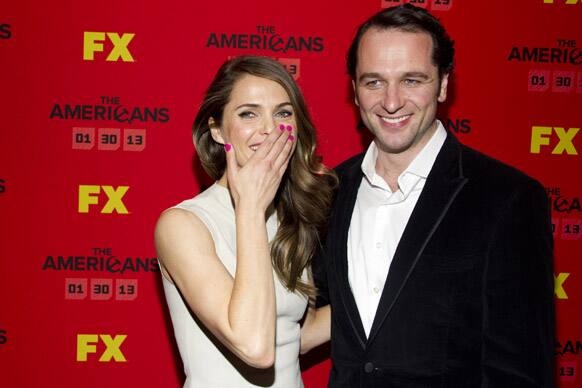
pixel 250 212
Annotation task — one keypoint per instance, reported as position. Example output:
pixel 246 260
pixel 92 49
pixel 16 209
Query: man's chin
pixel 393 147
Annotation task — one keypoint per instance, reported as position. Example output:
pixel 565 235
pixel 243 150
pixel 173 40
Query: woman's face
pixel 257 106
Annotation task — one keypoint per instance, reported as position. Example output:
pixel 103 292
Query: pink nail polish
pixel 291 138
pixel 289 128
pixel 281 127
pixel 227 147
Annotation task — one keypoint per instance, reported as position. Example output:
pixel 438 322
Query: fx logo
pixel 87 343
pixel 540 136
pixel 559 285
pixel 563 1
pixel 89 195
pixel 93 41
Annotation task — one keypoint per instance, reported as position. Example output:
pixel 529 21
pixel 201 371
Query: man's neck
pixel 390 165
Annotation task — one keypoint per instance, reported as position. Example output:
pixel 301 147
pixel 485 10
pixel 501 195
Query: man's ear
pixel 443 88
pixel 215 131
pixel 355 94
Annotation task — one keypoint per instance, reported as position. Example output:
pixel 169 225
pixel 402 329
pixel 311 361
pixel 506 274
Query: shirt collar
pixel 419 167
pixel 422 163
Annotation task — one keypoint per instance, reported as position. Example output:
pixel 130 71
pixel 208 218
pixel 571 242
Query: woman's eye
pixel 246 114
pixel 284 114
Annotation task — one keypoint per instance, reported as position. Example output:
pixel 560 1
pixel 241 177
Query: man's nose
pixel 392 99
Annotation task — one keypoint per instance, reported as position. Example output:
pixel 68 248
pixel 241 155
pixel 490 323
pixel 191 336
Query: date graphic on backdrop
pixel 101 289
pixel 106 125
pixel 567 371
pixel 98 281
pixel 108 139
pixel 433 5
pixel 566 351
pixel 552 76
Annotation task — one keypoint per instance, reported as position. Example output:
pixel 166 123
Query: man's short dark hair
pixel 407 18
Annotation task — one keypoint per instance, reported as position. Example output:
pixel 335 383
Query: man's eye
pixel 374 83
pixel 411 82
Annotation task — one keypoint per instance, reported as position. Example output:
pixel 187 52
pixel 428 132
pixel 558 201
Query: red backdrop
pixel 97 102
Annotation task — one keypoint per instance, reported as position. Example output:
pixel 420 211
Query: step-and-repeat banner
pixel 97 101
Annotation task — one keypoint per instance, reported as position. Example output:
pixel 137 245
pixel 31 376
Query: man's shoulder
pixel 492 171
pixel 350 165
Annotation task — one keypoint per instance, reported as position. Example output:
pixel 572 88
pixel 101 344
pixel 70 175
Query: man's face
pixel 397 89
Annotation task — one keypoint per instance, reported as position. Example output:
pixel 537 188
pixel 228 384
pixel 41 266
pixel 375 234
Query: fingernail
pixel 282 127
pixel 289 128
pixel 291 138
pixel 227 147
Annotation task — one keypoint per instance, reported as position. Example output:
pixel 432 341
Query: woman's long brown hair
pixel 305 194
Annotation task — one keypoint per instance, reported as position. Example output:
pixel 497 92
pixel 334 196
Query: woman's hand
pixel 255 184
pixel 239 311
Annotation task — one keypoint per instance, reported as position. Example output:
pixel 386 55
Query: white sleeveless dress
pixel 208 363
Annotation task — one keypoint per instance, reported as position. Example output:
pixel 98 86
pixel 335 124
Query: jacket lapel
pixel 442 186
pixel 341 220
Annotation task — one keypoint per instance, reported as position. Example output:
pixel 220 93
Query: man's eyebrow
pixel 416 74
pixel 409 74
pixel 368 75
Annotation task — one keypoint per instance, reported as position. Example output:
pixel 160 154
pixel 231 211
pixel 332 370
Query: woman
pixel 235 259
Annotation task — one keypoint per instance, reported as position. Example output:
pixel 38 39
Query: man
pixel 438 259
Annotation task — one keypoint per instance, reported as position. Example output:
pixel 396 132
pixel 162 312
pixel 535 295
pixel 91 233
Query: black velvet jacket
pixel 468 301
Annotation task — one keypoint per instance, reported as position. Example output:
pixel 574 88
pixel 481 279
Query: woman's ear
pixel 215 131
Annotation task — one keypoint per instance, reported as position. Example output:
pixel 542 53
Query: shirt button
pixel 376 290
pixel 378 245
pixel 368 367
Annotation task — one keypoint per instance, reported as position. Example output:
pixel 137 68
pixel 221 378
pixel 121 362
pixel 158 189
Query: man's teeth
pixel 255 147
pixel 394 120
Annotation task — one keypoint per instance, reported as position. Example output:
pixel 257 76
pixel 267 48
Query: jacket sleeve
pixel 319 269
pixel 518 295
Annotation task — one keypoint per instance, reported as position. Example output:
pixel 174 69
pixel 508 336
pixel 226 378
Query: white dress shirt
pixel 378 221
